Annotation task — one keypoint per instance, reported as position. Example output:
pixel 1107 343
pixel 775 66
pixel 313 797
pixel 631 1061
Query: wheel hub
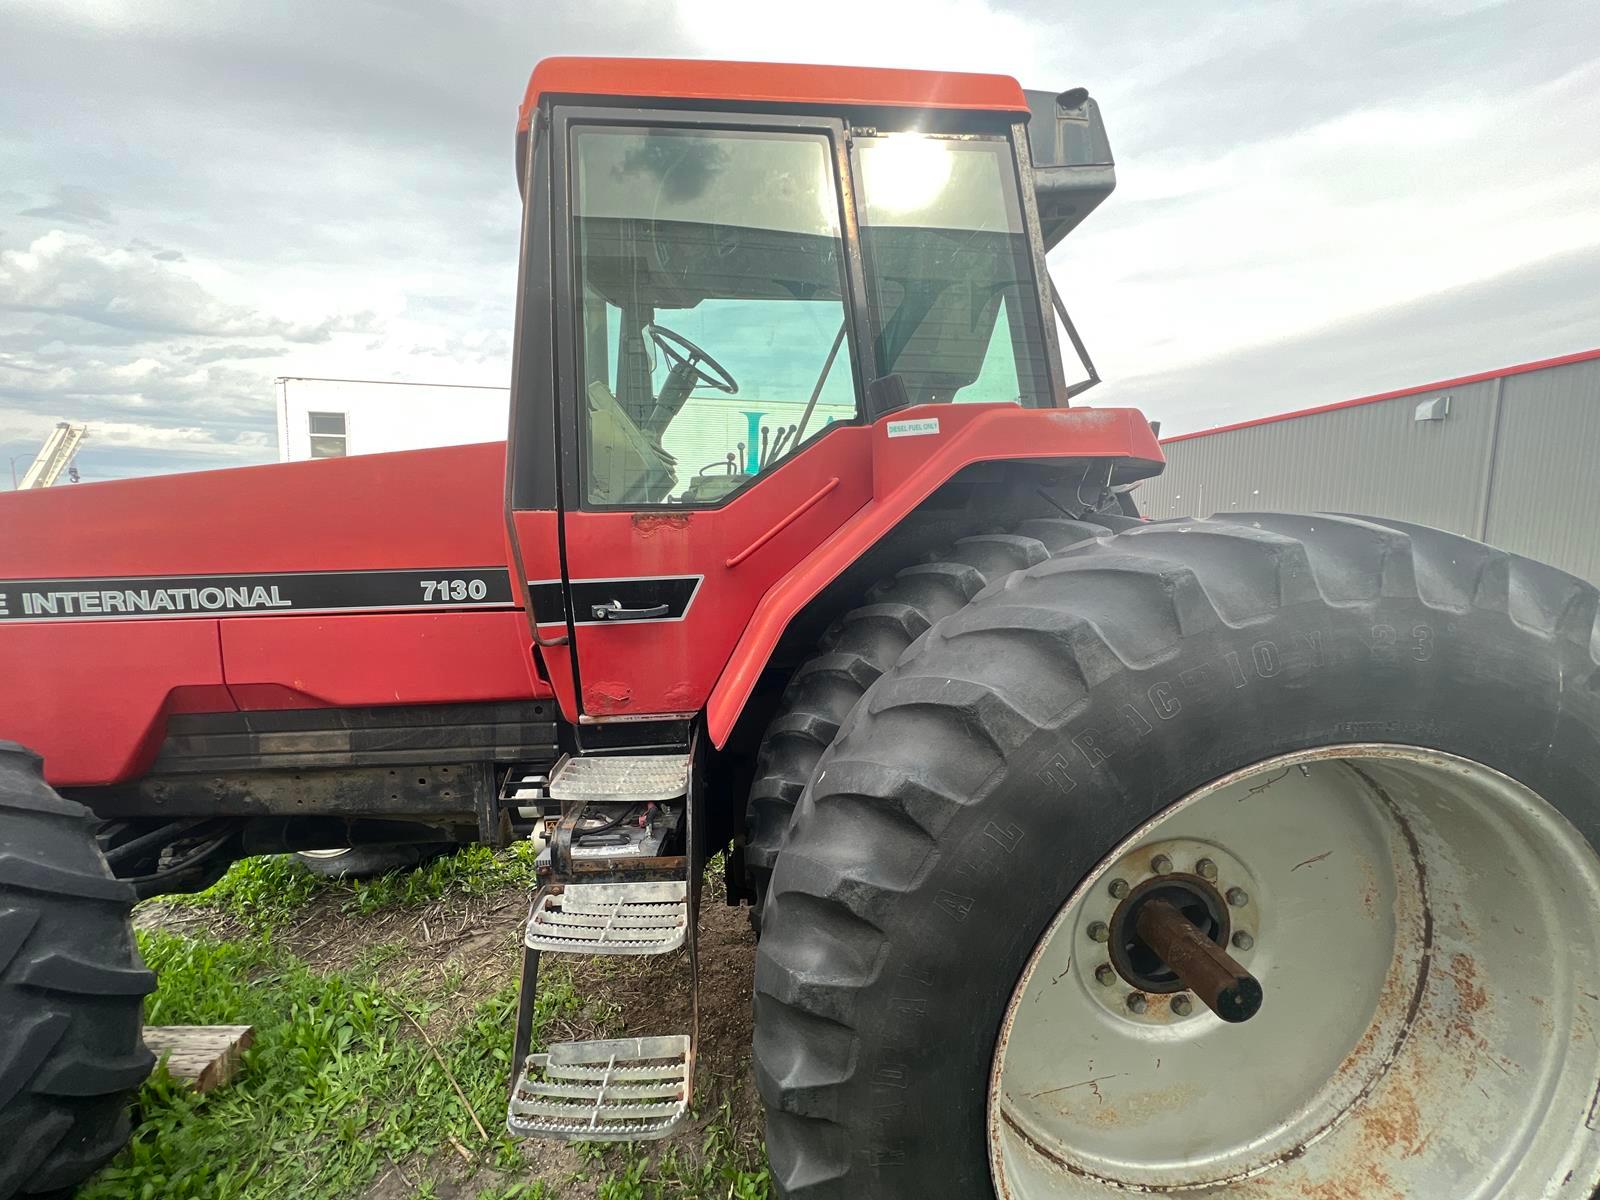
pixel 1196 875
pixel 1423 931
pixel 1140 965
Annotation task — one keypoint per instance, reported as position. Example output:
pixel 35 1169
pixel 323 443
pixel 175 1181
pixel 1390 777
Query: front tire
pixel 71 990
pixel 1024 744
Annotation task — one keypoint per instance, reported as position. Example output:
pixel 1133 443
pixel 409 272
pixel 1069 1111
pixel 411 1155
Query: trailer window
pixel 951 291
pixel 728 240
pixel 327 434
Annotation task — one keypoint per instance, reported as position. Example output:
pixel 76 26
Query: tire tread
pixel 951 699
pixel 864 643
pixel 71 989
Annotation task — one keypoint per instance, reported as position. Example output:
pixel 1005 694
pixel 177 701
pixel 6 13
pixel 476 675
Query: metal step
pixel 610 918
pixel 625 1090
pixel 621 778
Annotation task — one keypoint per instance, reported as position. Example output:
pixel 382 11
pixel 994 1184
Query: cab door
pixel 533 447
pixel 708 381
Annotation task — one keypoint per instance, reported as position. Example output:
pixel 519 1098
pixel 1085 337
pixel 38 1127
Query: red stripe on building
pixel 1462 381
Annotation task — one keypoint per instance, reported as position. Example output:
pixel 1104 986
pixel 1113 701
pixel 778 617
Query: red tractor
pixel 1248 857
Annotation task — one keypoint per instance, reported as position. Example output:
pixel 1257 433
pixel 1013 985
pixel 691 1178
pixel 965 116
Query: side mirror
pixel 1073 170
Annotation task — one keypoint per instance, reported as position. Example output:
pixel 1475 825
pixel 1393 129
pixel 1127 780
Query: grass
pixel 339 1088
pixel 516 1191
pixel 263 894
pixel 721 1170
pixel 336 1086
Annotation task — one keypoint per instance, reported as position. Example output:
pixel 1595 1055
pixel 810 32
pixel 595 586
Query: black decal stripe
pixel 158 597
pixel 548 606
pixel 165 597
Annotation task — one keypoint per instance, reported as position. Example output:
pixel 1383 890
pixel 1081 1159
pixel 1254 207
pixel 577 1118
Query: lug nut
pixel 1137 1003
pixel 1182 1006
pixel 1243 941
pixel 1099 931
pixel 1238 897
pixel 1161 864
pixel 1206 869
pixel 1118 888
pixel 1105 975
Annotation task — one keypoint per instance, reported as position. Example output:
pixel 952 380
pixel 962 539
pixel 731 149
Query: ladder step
pixel 619 1090
pixel 625 1072
pixel 613 1108
pixel 571 920
pixel 666 1090
pixel 610 918
pixel 621 778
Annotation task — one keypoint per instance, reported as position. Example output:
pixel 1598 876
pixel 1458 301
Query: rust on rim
pixel 1422 929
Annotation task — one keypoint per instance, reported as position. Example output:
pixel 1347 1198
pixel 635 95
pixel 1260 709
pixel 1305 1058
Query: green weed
pixel 264 894
pixel 723 1169
pixel 471 871
pixel 260 893
pixel 338 1087
pixel 516 1191
pixel 335 1087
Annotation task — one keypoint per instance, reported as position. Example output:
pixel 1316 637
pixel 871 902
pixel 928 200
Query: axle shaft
pixel 1202 966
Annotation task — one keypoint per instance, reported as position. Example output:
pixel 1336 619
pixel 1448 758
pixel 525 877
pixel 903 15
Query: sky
pixel 1314 201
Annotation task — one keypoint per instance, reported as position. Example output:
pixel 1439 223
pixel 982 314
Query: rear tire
pixel 863 644
pixel 71 990
pixel 989 772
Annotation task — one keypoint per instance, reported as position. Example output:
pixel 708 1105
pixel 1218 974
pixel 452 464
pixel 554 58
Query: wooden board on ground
pixel 207 1056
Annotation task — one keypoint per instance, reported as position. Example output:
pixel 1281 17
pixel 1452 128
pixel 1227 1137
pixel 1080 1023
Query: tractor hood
pixel 422 509
pixel 343 582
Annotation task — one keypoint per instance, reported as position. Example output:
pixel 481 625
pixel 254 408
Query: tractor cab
pixel 709 269
pixel 778 325
pixel 732 275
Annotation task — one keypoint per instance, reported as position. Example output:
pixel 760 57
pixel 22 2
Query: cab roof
pixel 768 83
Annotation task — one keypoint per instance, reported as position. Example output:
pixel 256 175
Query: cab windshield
pixel 710 273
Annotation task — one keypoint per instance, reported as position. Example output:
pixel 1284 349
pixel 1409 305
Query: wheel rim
pixel 1424 931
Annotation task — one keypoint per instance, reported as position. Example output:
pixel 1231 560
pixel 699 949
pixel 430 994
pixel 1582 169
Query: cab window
pixel 951 291
pixel 710 272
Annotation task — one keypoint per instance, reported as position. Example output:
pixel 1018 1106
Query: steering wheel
pixel 680 351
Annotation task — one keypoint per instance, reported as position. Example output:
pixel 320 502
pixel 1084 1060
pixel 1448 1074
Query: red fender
pixel 913 453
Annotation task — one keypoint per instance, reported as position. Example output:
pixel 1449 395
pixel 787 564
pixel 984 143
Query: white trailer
pixel 331 418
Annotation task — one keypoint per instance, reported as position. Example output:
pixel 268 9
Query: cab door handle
pixel 613 611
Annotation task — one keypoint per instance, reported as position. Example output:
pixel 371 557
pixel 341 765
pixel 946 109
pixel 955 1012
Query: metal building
pixel 1510 457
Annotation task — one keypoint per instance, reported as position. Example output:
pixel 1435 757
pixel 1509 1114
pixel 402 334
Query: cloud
pixel 159 253
pixel 231 352
pixel 1555 300
pixel 169 374
pixel 1379 207
pixel 72 204
pixel 305 188
pixel 76 276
